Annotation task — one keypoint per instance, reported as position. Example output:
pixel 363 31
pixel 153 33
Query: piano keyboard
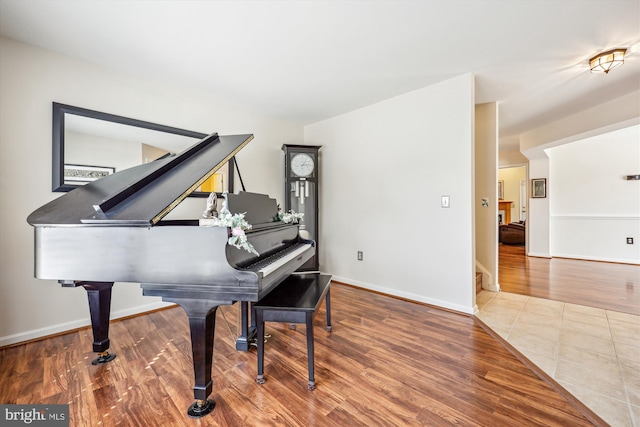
pixel 269 265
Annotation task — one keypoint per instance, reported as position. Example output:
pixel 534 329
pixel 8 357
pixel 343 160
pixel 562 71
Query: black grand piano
pixel 112 230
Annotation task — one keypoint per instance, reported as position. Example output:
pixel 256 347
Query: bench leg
pixel 328 307
pixel 260 342
pixel 312 383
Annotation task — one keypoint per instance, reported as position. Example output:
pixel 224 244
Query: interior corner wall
pixel 30 80
pixel 486 163
pixel 384 169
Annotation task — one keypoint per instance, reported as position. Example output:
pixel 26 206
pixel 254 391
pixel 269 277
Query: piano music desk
pixel 295 300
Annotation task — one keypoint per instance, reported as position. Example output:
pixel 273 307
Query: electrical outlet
pixel 629 240
pixel 359 255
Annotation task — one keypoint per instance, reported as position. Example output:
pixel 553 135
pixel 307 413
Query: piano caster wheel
pixel 311 386
pixel 329 329
pixel 103 357
pixel 200 408
pixel 260 379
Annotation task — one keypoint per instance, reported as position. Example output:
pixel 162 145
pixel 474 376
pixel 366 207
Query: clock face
pixel 302 165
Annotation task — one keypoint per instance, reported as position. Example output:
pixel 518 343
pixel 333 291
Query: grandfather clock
pixel 301 192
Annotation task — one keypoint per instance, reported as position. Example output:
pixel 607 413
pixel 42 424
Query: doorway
pixel 513 181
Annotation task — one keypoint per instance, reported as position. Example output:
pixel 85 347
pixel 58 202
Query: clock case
pixel 301 195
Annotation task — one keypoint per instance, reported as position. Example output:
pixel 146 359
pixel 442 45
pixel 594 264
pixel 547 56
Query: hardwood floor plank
pixel 386 362
pixel 606 285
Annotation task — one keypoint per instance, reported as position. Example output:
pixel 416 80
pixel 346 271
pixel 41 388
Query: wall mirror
pixel 89 144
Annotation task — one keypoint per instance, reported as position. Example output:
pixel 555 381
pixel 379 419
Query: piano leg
pixel 99 294
pixel 202 322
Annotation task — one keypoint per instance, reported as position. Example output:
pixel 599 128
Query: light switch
pixel 445 202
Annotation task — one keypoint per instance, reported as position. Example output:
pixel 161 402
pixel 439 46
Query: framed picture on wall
pixel 82 174
pixel 539 188
pixel 501 190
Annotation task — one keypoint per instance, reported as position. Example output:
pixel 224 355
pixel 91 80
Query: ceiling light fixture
pixel 606 61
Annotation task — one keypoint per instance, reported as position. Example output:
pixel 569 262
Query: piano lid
pixel 144 194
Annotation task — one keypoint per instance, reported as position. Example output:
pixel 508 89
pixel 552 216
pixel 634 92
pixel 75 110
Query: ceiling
pixel 306 61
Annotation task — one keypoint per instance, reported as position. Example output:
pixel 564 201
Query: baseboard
pixel 538 255
pixel 76 324
pixel 585 258
pixel 600 259
pixel 408 296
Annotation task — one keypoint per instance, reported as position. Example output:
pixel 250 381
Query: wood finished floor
pixel 387 362
pixel 604 285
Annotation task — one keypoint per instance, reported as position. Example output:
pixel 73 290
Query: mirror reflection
pixel 88 145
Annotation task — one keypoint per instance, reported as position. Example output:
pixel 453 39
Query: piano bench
pixel 295 300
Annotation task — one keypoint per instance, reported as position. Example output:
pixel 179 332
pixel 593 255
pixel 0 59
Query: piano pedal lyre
pixel 254 342
pixel 103 357
pixel 200 408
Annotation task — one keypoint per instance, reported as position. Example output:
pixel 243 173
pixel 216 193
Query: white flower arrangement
pixel 237 225
pixel 289 217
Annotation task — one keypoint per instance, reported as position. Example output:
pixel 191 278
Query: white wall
pixel 592 208
pixel 85 149
pixel 538 217
pixel 389 165
pixel 486 159
pixel 30 80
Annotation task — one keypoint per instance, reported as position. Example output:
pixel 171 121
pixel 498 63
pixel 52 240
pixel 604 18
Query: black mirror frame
pixel 59 111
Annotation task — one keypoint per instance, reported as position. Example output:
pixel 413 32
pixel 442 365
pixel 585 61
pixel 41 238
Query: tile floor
pixel 593 353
